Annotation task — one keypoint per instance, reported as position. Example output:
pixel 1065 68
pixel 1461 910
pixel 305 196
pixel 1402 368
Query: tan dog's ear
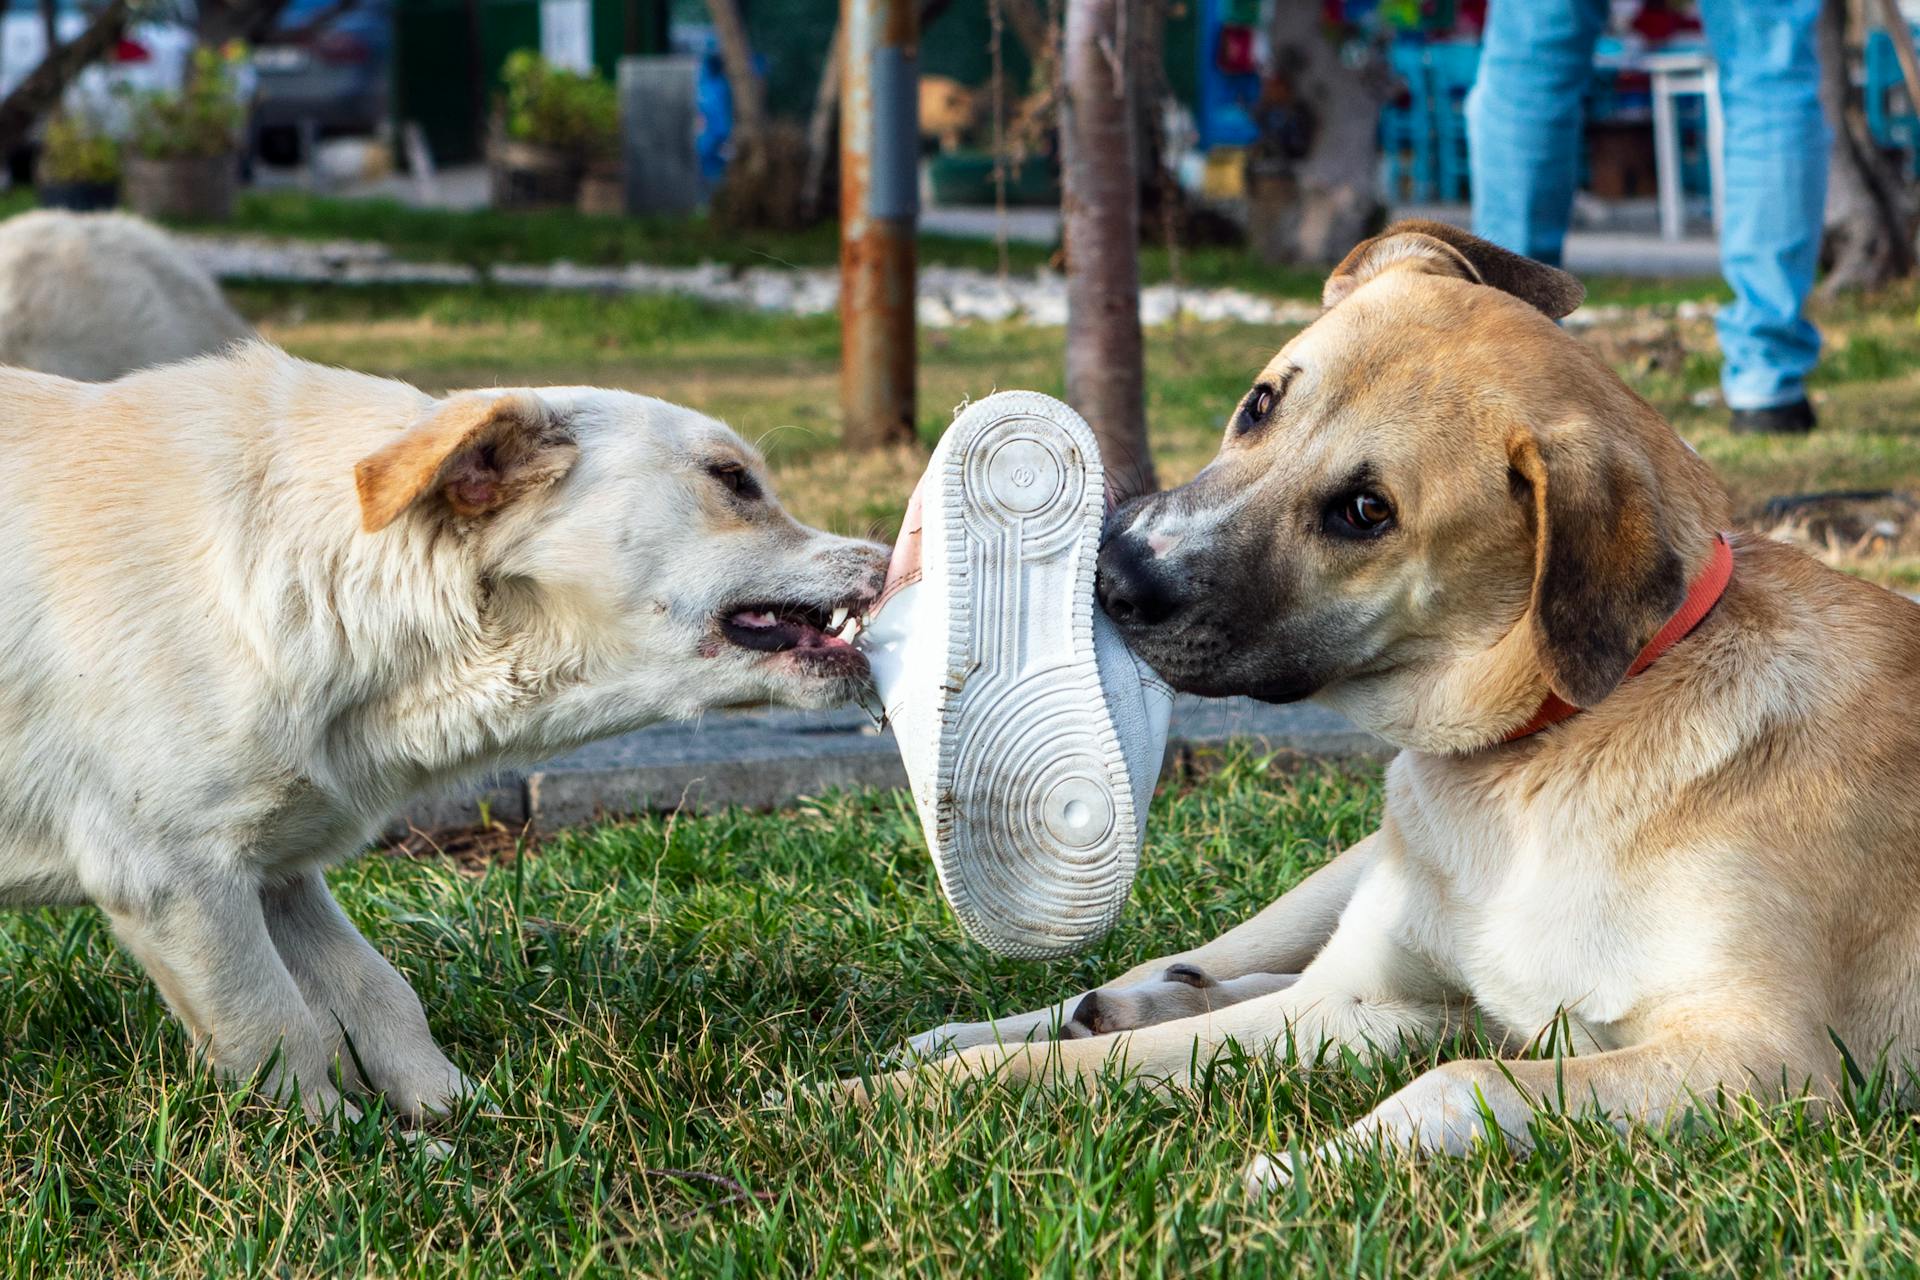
pixel 480 451
pixel 1438 249
pixel 1606 572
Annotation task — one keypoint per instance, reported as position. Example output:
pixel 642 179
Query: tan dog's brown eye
pixel 738 479
pixel 1259 404
pixel 1361 514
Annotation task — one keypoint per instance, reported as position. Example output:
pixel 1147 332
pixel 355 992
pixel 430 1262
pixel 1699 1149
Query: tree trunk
pixel 1100 202
pixel 1312 177
pixel 44 86
pixel 736 54
pixel 1869 238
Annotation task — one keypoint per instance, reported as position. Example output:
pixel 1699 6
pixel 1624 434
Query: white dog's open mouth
pixel 810 633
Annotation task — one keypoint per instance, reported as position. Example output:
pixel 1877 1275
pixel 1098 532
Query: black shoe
pixel 1795 419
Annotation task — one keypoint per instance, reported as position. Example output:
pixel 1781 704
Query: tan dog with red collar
pixel 1439 514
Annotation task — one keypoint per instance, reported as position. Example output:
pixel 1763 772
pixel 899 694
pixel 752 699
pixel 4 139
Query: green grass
pixel 628 993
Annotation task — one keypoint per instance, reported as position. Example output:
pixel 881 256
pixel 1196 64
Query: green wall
pixel 792 37
pixel 445 73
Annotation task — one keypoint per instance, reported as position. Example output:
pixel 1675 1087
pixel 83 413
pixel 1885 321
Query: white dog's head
pixel 643 533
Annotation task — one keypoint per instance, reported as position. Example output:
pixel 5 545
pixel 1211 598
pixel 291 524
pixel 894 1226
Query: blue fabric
pixel 1523 120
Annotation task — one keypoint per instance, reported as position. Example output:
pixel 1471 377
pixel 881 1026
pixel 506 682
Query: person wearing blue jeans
pixel 1523 130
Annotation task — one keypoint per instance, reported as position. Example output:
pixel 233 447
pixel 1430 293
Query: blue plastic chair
pixel 1451 68
pixel 1407 156
pixel 1890 114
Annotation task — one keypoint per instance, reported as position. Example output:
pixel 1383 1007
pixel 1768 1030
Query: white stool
pixel 1675 75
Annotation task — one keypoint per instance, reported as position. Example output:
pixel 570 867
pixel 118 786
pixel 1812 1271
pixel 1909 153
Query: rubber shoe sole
pixel 1032 821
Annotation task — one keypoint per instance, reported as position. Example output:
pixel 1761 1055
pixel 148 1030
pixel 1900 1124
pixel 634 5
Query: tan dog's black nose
pixel 1129 587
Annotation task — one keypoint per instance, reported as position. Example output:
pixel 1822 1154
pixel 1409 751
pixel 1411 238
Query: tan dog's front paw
pixel 862 1093
pixel 946 1038
pixel 1178 991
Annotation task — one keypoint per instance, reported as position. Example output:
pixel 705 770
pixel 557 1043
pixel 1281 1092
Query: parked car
pixel 329 75
pixel 151 56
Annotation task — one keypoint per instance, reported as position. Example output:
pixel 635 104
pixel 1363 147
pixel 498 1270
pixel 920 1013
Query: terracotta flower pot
pixel 603 191
pixel 190 188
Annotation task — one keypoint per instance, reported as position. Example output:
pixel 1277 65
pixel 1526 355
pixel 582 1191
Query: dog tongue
pixel 755 620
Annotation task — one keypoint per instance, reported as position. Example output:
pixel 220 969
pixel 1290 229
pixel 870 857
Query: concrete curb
pixel 766 760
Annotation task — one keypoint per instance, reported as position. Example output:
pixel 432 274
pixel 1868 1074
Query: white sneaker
pixel 1032 736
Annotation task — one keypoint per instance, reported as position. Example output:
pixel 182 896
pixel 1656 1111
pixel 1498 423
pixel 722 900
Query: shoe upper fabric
pixel 1141 704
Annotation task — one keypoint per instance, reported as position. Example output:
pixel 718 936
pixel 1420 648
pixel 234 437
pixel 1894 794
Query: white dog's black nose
pixel 1130 587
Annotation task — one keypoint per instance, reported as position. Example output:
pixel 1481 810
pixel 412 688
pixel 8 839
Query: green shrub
pixel 203 120
pixel 554 107
pixel 76 150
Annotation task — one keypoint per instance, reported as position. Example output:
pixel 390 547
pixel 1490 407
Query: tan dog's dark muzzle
pixel 1135 592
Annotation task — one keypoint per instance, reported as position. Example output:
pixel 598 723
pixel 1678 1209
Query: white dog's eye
pixel 738 480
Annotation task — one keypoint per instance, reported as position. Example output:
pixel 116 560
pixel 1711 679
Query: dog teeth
pixel 838 622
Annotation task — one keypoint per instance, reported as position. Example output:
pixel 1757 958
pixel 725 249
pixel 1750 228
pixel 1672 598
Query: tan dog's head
pixel 1432 507
pixel 645 533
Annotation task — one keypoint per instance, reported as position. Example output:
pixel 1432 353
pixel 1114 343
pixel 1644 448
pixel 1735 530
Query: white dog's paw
pixel 431 1148
pixel 426 1086
pixel 326 1105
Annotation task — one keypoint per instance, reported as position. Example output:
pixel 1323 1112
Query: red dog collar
pixel 1701 597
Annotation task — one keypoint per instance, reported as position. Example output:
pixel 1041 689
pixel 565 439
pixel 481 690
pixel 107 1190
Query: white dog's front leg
pixel 351 989
pixel 200 934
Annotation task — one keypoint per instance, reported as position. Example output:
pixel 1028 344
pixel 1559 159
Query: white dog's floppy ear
pixel 1436 249
pixel 480 451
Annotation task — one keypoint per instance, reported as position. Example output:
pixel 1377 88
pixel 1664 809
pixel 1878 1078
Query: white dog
pixel 98 295
pixel 248 605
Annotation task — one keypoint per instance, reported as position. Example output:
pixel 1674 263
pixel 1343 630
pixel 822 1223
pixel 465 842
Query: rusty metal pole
pixel 879 205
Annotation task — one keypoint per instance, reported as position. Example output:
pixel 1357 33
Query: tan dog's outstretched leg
pixel 351 989
pixel 1362 992
pixel 1282 939
pixel 1445 1111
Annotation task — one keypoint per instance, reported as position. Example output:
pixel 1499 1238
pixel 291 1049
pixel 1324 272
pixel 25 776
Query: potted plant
pixel 79 166
pixel 184 151
pixel 555 138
